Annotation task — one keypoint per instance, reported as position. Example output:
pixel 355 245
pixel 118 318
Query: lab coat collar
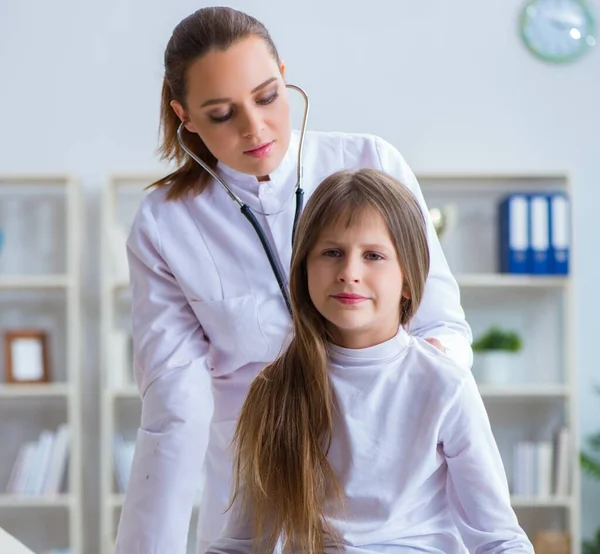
pixel 278 178
pixel 373 355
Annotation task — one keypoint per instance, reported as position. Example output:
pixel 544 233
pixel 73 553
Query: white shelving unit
pixel 539 307
pixel 40 289
pixel 121 406
pixel 542 394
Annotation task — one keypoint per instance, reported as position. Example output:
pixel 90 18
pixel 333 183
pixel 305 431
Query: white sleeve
pixel 440 314
pixel 476 485
pixel 237 536
pixel 174 383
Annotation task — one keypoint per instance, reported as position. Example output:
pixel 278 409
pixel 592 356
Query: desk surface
pixel 10 545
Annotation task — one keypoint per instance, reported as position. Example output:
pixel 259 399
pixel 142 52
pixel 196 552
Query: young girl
pixel 359 437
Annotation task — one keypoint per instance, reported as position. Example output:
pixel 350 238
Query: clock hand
pixel 560 25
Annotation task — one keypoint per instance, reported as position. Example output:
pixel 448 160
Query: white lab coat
pixel 413 450
pixel 208 316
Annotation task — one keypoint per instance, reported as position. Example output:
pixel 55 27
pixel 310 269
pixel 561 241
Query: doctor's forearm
pixel 166 471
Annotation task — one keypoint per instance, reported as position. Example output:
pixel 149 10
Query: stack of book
pixel 40 465
pixel 541 469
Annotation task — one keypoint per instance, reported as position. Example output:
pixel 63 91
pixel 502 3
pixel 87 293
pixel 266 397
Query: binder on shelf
pixel 539 234
pixel 560 240
pixel 514 234
pixel 562 465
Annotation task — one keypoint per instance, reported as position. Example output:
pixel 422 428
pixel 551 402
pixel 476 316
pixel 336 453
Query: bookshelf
pixel 541 394
pixel 40 235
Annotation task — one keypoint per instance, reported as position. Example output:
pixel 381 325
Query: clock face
pixel 558 30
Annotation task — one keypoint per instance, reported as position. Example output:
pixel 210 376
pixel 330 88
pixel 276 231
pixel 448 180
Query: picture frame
pixel 26 357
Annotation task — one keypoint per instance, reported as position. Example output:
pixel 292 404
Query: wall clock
pixel 558 31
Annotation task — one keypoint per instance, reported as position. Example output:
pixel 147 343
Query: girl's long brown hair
pixel 213 28
pixel 285 426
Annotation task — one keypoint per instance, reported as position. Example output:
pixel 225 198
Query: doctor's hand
pixel 437 344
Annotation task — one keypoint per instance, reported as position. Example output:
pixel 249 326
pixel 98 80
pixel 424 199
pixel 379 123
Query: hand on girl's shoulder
pixel 432 359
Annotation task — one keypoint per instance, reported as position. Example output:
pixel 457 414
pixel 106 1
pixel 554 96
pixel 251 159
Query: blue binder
pixel 539 234
pixel 514 234
pixel 560 233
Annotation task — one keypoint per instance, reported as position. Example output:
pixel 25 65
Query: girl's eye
pixel 332 253
pixel 268 99
pixel 373 256
pixel 221 118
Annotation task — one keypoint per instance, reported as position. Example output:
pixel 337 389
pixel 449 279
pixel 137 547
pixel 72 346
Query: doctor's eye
pixel 272 97
pixel 221 118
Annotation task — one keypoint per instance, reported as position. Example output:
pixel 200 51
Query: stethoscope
pixel 247 212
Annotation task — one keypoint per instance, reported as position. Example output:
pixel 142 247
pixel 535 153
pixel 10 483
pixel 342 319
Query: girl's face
pixel 237 102
pixel 355 281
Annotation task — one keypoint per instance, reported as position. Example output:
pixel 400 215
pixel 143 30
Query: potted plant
pixel 495 355
pixel 590 464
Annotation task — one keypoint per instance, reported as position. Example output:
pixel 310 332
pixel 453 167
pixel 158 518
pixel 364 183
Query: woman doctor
pixel 208 313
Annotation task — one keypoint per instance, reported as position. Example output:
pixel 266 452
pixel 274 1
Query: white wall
pixel 447 82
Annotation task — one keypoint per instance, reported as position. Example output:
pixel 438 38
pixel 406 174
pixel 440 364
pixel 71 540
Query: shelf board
pixel 30 501
pixel 33 390
pixel 117 285
pixel 501 280
pixel 34 282
pixel 541 502
pixel 117 500
pixel 503 176
pixel 468 280
pixel 524 391
pixel 129 391
pixel 473 280
pixel 25 179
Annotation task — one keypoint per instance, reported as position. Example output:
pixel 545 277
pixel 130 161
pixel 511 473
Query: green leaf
pixel 591 467
pixel 594 442
pixel 593 546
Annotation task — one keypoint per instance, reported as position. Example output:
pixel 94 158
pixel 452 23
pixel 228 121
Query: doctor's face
pixel 237 102
pixel 355 281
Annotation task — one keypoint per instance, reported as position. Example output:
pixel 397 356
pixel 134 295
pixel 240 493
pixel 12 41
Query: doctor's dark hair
pixel 207 29
pixel 282 476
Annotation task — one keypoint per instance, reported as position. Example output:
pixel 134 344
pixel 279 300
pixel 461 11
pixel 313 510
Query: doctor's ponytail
pixel 212 28
pixel 282 475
